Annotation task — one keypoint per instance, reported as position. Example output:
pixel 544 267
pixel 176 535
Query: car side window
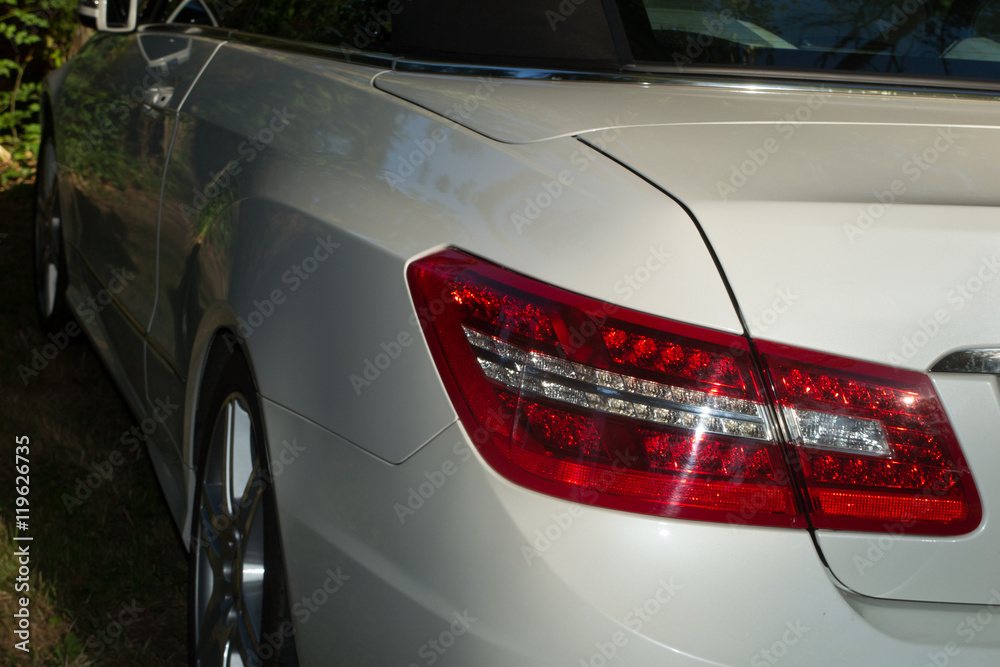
pixel 473 31
pixel 354 24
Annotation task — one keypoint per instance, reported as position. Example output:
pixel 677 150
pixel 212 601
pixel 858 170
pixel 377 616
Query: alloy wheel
pixel 230 560
pixel 50 278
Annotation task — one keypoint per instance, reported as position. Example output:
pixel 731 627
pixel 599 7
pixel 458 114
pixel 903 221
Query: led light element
pixel 837 432
pixel 874 444
pixel 604 391
pixel 595 403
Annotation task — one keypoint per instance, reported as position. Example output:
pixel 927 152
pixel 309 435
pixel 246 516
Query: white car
pixel 567 333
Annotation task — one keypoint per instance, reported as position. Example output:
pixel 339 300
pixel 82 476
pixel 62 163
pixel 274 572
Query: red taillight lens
pixel 594 403
pixel 586 401
pixel 875 447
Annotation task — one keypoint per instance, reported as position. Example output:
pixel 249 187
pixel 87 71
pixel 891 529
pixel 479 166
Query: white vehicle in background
pixel 583 333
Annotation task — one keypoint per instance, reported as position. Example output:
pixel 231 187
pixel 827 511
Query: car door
pixel 119 102
pixel 116 117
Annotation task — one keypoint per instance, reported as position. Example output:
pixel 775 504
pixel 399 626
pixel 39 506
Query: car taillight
pixel 875 447
pixel 594 403
pixel 579 399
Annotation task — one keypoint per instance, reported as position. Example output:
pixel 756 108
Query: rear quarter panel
pixel 297 193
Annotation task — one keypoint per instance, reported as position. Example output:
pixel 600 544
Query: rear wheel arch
pixel 227 380
pixel 208 355
pixel 224 344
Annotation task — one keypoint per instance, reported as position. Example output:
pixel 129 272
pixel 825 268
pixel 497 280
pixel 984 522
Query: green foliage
pixel 36 36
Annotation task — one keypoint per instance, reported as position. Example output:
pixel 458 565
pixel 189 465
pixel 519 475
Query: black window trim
pixel 692 75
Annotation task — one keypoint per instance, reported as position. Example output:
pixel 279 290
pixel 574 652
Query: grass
pixel 118 549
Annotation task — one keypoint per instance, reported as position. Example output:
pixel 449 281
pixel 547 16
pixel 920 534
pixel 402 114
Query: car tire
pixel 238 602
pixel 50 261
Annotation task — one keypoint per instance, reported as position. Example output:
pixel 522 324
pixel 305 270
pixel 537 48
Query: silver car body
pixel 847 220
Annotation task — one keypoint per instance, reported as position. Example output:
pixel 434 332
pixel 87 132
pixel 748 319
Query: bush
pixel 40 35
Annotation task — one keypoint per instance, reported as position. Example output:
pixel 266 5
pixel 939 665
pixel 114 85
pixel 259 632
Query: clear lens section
pixel 839 432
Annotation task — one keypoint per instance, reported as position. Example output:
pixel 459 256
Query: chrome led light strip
pixel 613 393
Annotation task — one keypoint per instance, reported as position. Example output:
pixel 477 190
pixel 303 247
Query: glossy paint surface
pixel 297 189
pixel 345 181
pixel 862 227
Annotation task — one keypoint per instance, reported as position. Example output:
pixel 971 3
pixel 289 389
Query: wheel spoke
pixel 252 557
pixel 215 522
pixel 214 478
pixel 249 506
pixel 230 595
pixel 246 645
pixel 241 454
pixel 215 552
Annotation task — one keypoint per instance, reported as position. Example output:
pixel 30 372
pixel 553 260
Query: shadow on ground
pixel 107 552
